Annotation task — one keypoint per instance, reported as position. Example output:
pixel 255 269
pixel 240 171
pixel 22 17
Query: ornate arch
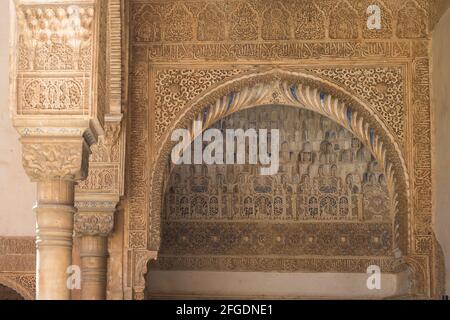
pixel 14 284
pixel 295 89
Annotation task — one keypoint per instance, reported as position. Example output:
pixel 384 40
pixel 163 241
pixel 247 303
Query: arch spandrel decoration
pixel 24 285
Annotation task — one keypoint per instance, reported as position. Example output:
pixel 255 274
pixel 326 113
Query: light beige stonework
pixel 96 96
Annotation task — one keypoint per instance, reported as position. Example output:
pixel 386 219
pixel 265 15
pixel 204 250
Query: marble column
pixel 54 164
pixel 93 224
pixel 54 214
pixel 94 252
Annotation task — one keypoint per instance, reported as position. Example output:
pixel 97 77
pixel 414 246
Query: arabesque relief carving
pixel 279 29
pixel 280 20
pixel 310 36
pixel 325 174
pixel 52 95
pixel 411 21
pixel 59 82
pixel 94 224
pixel 208 31
pixel 250 239
pixel 17 265
pixel 54 39
pixel 47 40
pixel 387 23
pixel 343 22
pixel 61 53
pixel 383 88
pixel 22 283
pixel 269 92
pixel 105 174
pixel 175 87
pixel 288 264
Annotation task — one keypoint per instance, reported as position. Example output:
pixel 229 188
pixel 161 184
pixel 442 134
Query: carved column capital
pixel 94 224
pixel 55 159
pixel 95 218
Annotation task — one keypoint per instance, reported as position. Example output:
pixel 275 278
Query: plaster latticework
pixel 381 87
pixel 17 266
pixel 174 88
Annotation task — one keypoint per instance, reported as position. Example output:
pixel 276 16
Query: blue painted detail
pixel 349 116
pixel 294 92
pixel 372 136
pixel 205 114
pixel 230 100
pixel 322 97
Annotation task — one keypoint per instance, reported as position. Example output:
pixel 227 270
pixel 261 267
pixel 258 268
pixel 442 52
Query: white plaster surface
pixel 212 284
pixel 17 193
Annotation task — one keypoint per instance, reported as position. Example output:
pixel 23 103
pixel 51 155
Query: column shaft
pixel 54 234
pixel 93 267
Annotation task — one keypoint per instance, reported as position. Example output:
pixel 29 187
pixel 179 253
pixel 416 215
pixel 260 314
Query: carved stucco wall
pixel 18 265
pixel 441 115
pixel 186 55
pixel 17 193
